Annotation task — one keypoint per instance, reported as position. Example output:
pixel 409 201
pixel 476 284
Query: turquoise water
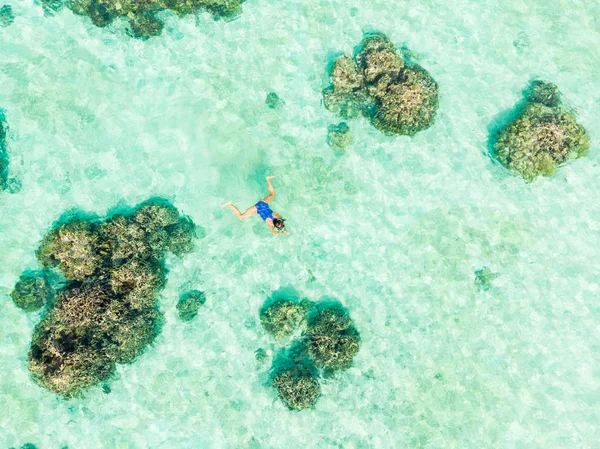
pixel 394 228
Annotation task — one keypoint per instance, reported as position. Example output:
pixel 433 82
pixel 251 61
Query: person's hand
pixel 226 204
pixel 270 177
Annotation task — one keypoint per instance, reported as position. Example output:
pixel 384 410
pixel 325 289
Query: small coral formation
pixel 107 314
pixel 542 137
pixel 32 291
pixel 261 355
pixel 339 136
pixel 543 92
pixel 273 101
pixel 142 14
pixel 332 339
pixel 298 387
pixel 6 16
pixel 189 304
pixel 398 97
pixel 484 278
pixel 283 317
pixel 329 343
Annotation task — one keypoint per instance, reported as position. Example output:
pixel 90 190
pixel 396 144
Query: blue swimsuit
pixel 264 210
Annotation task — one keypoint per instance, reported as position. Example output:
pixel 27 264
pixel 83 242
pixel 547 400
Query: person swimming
pixel 275 222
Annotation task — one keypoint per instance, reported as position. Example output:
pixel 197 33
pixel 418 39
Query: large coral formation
pixel 282 317
pixel 108 313
pixel 398 97
pixel 542 137
pixel 332 339
pixel 298 387
pixel 142 14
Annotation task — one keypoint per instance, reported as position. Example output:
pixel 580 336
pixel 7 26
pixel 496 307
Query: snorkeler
pixel 274 221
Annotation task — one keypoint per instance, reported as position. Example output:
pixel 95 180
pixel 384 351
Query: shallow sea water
pixel 394 228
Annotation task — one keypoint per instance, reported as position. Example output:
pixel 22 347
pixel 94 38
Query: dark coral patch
pixel 107 313
pixel 396 96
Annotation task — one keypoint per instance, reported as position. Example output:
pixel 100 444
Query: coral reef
pixel 297 387
pixel 6 16
pixel 273 101
pixel 339 136
pixel 142 14
pixel 332 339
pixel 328 344
pixel 283 317
pixel 542 137
pixel 107 314
pixel 189 303
pixel 397 96
pixel 31 291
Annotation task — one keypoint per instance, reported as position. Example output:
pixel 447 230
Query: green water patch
pixel 105 313
pixel 540 134
pixel 398 96
pixel 142 14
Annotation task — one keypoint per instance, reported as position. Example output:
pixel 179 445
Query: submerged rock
pixel 189 304
pixel 298 387
pixel 398 97
pixel 339 136
pixel 108 313
pixel 542 137
pixel 142 14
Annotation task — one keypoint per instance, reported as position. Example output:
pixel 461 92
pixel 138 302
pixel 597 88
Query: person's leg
pixel 249 212
pixel 271 190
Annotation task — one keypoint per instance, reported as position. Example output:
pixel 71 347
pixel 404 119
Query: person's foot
pixel 270 177
pixel 226 204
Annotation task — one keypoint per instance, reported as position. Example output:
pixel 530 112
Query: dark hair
pixel 278 223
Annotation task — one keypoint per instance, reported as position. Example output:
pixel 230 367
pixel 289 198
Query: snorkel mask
pixel 280 221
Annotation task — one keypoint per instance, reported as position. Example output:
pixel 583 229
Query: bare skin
pixel 252 210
